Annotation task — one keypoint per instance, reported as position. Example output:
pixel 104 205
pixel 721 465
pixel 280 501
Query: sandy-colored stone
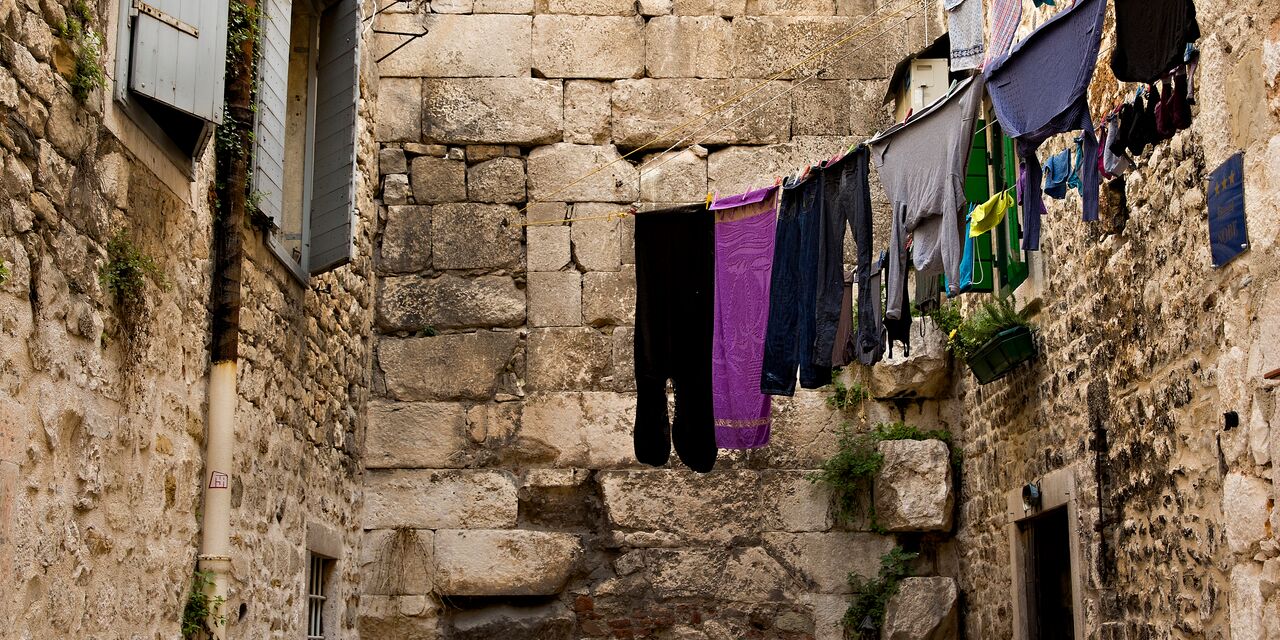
pixel 431 435
pixel 645 111
pixel 499 180
pixel 780 43
pixel 586 111
pixel 709 7
pixel 1246 509
pixel 475 236
pixel 738 574
pixel 826 559
pixel 654 7
pixel 428 499
pixel 609 297
pixel 464 366
pixel 406 240
pixel 545 622
pixel 922 609
pixel 397 562
pixel 504 563
pixel 602 47
pixel 822 108
pixel 437 180
pixel 552 169
pixel 555 299
pixel 926 373
pixel 548 248
pixel 624 363
pixel 492 111
pixel 449 302
pixel 676 176
pixel 456 46
pixel 689 47
pixel 568 359
pixel 503 6
pixel 913 489
pixel 399 110
pixel 791 7
pixel 398 617
pixel 578 429
pixel 738 169
pixel 595 242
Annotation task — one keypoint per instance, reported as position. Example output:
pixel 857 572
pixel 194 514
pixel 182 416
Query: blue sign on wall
pixel 1228 233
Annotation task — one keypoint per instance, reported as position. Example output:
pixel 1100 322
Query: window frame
pixel 1057 490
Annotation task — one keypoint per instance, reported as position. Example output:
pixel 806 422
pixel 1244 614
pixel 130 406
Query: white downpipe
pixel 215 540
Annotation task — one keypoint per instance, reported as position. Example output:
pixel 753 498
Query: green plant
pixel 849 472
pixel 991 318
pixel 86 46
pixel 127 269
pixel 843 397
pixel 946 317
pixel 200 608
pixel 871 596
pixel 4 272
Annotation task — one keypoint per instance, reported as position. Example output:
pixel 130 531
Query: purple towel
pixel 744 262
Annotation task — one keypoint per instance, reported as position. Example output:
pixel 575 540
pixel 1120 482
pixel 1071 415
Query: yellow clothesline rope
pixel 910 4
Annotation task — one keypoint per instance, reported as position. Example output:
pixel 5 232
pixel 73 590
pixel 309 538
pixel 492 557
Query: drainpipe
pixel 233 171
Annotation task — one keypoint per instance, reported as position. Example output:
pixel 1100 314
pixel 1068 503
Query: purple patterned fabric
pixel 744 262
pixel 1005 16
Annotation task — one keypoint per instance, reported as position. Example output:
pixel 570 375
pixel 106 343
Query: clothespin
pixel 711 196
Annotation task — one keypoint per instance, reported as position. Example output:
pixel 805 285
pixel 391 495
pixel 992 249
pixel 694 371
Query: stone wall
pixel 1144 348
pixel 502 496
pixel 102 409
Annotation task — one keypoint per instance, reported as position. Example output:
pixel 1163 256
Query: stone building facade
pixel 448 416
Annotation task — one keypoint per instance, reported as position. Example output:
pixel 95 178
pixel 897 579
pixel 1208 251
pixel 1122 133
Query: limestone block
pixel 709 7
pixel 596 245
pixel 627 240
pixel 913 489
pixel 1246 602
pixel 586 111
pixel 780 43
pixel 654 7
pixel 926 373
pixel 602 47
pixel 392 160
pixel 1245 511
pixel 644 111
pixel 555 298
pixel 923 609
pixel 504 563
pixel 395 189
pixel 499 180
pixel 590 7
pixel 792 7
pixel 867 115
pixel 552 168
pixel 828 615
pixel 713 509
pixel 519 111
pixel 493 423
pixel 555 478
pixel 855 7
pixel 398 618
pixel 414 303
pixel 477 153
pixel 475 236
pixel 568 359
pixel 805 430
pixel 689 47
pixel 395 562
pixel 548 248
pixel 430 499
pixel 545 622
pixel 456 46
pixel 675 176
pixel 462 366
pixel 503 6
pixel 821 108
pixel 624 363
pixel 429 435
pixel 587 429
pixel 739 169
pixel 399 110
pixel 406 240
pixel 736 574
pixel 546 211
pixel 609 297
pixel 451 6
pixel 826 559
pixel 437 180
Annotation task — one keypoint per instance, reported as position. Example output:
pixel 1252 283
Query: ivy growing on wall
pixel 127 270
pixel 865 615
pixel 201 609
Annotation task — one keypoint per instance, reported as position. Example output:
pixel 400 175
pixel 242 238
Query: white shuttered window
pixel 304 162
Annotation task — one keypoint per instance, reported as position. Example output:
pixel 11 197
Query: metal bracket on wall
pixel 1272 375
pixel 142 7
pixel 411 36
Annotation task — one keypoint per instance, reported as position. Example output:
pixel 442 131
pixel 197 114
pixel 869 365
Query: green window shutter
pixel 332 230
pixel 1013 271
pixel 977 187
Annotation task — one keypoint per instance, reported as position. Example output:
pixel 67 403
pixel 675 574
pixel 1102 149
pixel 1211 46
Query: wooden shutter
pixel 334 156
pixel 273 86
pixel 977 189
pixel 179 54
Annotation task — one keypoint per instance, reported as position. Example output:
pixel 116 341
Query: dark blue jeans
pixel 846 200
pixel 793 291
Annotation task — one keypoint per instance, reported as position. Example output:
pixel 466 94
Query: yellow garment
pixel 989 214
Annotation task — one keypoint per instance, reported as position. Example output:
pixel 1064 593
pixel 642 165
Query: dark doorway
pixel 1046 541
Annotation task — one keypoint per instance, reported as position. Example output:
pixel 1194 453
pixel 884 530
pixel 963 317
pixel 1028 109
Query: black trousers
pixel 846 199
pixel 675 297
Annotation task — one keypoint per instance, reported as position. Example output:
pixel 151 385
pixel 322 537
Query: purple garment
pixel 744 264
pixel 1041 89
